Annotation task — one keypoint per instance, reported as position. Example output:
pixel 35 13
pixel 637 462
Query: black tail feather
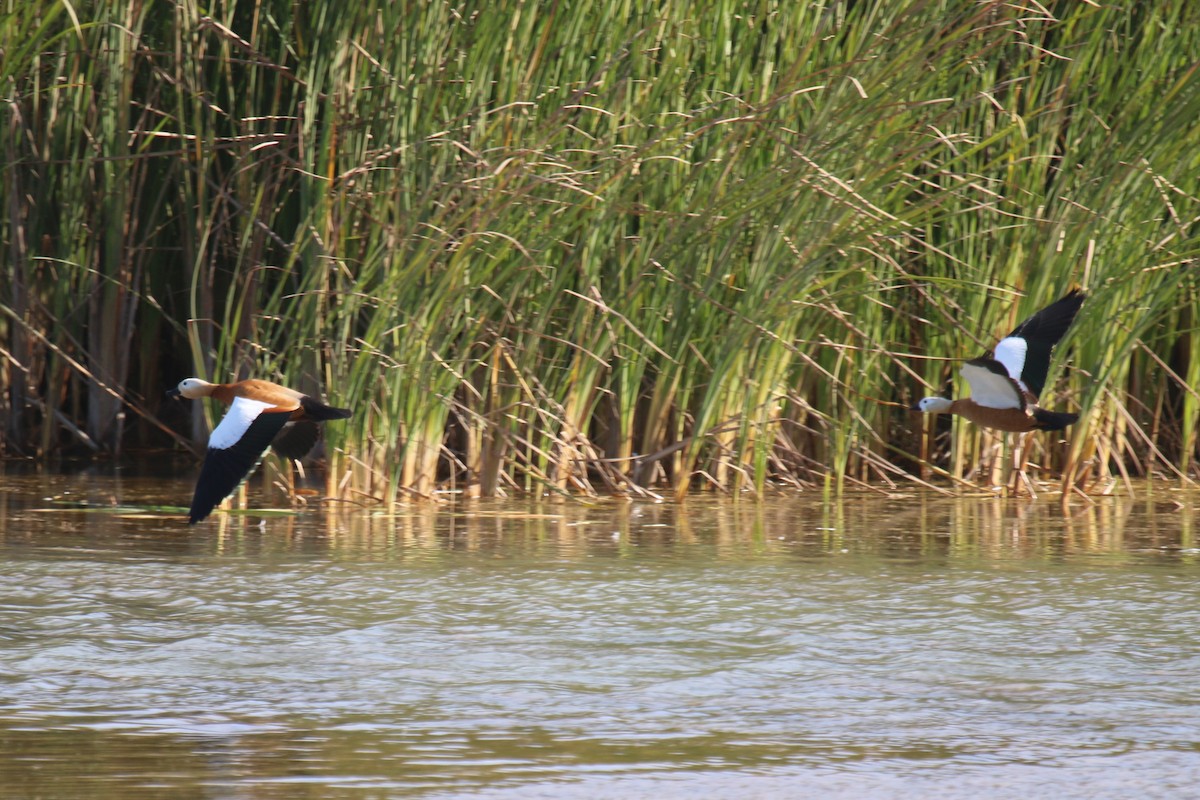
pixel 319 412
pixel 1052 420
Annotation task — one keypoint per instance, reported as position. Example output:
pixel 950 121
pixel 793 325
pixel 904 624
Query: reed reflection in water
pixel 872 647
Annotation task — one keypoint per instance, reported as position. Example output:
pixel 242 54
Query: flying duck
pixel 1006 382
pixel 259 412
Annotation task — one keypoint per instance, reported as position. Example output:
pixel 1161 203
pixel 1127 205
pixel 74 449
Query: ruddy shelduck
pixel 1006 382
pixel 261 415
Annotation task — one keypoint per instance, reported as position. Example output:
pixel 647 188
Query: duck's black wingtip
pixel 1073 298
pixel 209 493
pixel 1046 326
pixel 202 507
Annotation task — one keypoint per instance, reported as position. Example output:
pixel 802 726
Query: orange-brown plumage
pixel 1014 420
pixel 280 397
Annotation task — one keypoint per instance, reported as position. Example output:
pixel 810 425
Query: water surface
pixel 912 645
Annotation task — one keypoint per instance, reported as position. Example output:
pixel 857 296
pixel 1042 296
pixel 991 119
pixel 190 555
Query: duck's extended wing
pixel 1012 354
pixel 234 449
pixel 297 439
pixel 1025 352
pixel 992 384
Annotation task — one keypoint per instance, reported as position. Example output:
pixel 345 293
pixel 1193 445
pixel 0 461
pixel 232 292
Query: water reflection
pixel 35 508
pixel 887 645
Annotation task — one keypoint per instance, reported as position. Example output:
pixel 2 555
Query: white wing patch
pixel 239 417
pixel 1011 353
pixel 991 390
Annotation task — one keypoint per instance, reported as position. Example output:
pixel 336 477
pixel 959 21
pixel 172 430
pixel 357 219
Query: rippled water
pixel 912 646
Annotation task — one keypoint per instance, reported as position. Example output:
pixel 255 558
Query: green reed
pixel 605 248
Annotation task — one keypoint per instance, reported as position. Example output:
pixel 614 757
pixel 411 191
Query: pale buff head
pixel 193 388
pixel 932 405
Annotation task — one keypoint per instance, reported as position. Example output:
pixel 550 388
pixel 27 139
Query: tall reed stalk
pixel 592 248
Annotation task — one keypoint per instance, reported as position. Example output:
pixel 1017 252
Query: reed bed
pixel 603 248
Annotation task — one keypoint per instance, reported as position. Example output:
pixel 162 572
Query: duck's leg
pixel 1012 466
pixel 999 465
pixel 1019 474
pixel 1003 472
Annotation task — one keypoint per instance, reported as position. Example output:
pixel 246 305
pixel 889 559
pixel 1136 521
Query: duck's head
pixel 192 389
pixel 932 405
